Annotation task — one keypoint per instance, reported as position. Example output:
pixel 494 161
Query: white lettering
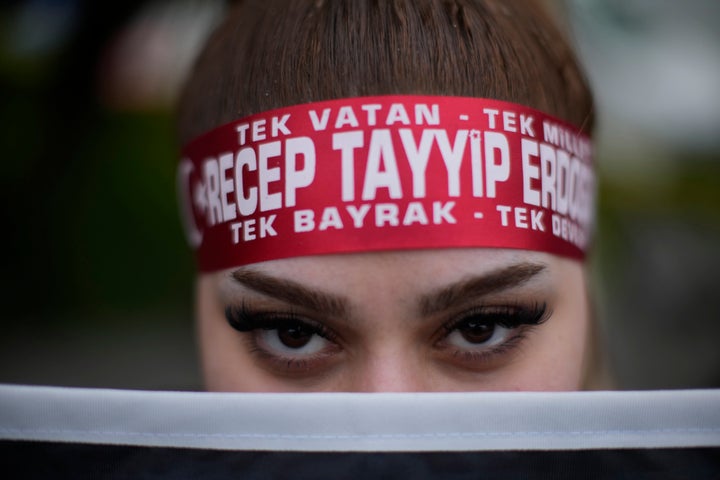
pixel 266 226
pixel 295 178
pixel 452 157
pixel 417 157
pixel 441 212
pixel 330 219
pixel 431 115
pixel 242 129
pixel 526 127
pixel 380 152
pixel 226 187
pixel 386 213
pixel 476 163
pixel 496 172
pixel 258 130
pixel 521 217
pixel 509 123
pixel 212 185
pixel 249 229
pixel 548 176
pixel 347 142
pixel 346 116
pixel 235 227
pixel 397 113
pixel 491 114
pixel 277 126
pixel 504 210
pixel 563 176
pixel 247 203
pixel 371 110
pixel 536 220
pixel 319 123
pixel 303 221
pixel 531 172
pixel 358 214
pixel 268 201
pixel 415 213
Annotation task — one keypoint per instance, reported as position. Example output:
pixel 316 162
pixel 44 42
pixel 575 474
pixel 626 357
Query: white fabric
pixel 363 422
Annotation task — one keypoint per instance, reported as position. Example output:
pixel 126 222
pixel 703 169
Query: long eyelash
pixel 507 316
pixel 248 320
pixel 244 319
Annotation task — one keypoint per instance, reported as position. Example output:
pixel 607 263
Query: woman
pixel 389 196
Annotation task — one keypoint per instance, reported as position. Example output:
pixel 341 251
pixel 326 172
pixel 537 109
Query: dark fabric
pixel 47 460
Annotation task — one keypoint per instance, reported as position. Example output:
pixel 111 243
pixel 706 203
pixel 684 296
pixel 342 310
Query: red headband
pixel 387 173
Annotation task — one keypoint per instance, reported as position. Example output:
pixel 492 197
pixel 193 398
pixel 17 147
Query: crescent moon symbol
pixel 193 234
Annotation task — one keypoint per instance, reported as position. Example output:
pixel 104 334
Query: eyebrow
pixel 292 292
pixel 498 280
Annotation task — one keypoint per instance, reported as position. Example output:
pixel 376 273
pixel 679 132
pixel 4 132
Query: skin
pixel 398 323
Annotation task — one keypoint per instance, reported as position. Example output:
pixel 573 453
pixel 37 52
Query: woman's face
pixel 431 320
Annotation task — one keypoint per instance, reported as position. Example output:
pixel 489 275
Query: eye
pixel 284 341
pixel 293 338
pixel 477 331
pixel 487 334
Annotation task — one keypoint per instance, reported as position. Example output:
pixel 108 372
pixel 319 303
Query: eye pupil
pixel 475 331
pixel 294 336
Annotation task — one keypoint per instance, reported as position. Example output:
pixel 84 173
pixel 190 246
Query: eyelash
pixel 517 318
pixel 512 316
pixel 243 319
pixel 247 320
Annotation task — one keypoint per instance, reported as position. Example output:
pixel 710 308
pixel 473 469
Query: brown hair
pixel 274 53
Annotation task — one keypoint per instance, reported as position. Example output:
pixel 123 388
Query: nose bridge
pixel 395 370
pixel 388 354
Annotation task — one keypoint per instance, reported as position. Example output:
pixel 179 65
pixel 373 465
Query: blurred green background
pixel 97 281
